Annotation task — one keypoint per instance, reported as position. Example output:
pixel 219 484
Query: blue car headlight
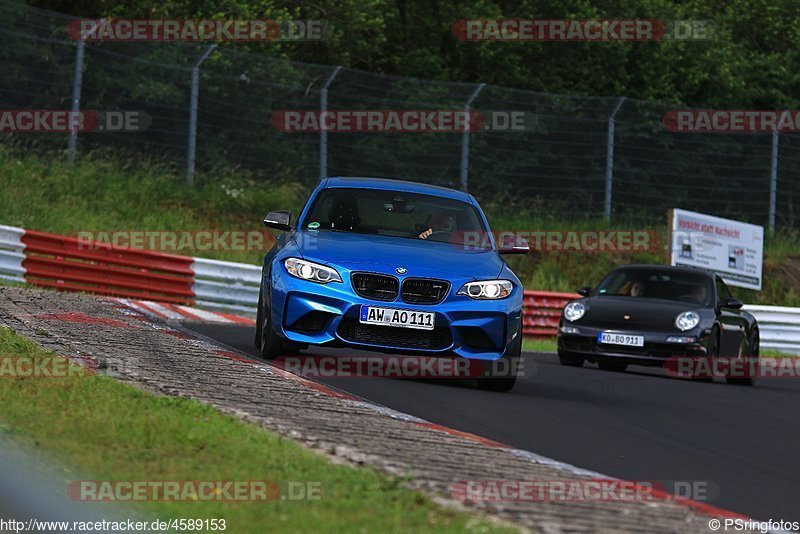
pixel 313 272
pixel 687 320
pixel 487 289
pixel 574 311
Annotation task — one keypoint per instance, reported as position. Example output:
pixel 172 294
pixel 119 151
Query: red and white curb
pixel 164 310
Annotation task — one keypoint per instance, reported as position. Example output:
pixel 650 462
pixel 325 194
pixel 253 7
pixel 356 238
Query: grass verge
pixel 94 424
pixel 540 345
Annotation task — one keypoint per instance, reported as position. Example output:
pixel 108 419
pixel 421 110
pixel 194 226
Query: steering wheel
pixel 441 234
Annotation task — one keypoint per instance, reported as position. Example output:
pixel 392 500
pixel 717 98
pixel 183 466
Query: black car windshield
pixel 665 284
pixel 395 214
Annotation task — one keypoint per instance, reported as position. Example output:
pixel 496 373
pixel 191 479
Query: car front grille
pixel 424 290
pixel 351 329
pixel 375 286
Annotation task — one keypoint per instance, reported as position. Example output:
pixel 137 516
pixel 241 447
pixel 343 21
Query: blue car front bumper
pixel 328 315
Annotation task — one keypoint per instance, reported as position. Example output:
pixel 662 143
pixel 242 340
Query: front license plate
pixel 620 339
pixel 394 317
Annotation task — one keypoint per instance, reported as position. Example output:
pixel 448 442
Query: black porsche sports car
pixel 647 314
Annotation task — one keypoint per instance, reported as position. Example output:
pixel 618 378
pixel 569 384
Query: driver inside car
pixel 439 222
pixel 699 293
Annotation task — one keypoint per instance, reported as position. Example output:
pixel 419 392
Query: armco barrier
pixel 11 255
pixel 69 264
pixel 779 327
pixel 541 310
pixel 224 285
pixel 65 263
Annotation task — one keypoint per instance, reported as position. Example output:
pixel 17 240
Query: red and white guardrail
pixel 173 285
pixel 66 263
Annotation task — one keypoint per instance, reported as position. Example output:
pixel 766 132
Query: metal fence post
pixel 773 180
pixel 465 138
pixel 610 159
pixel 323 134
pixel 192 147
pixel 77 85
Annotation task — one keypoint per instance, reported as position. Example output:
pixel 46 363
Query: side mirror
pixel 513 244
pixel 279 220
pixel 584 291
pixel 733 304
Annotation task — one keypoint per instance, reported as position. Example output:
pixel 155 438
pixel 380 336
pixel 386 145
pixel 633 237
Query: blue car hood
pixel 384 254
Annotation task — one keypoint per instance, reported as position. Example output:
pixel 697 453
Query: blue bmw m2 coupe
pixel 392 266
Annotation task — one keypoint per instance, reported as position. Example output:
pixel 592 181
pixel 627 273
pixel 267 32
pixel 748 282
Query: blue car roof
pixel 395 185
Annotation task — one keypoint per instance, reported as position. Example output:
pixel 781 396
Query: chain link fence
pixel 589 156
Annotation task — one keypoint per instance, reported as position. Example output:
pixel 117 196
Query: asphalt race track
pixel 740 442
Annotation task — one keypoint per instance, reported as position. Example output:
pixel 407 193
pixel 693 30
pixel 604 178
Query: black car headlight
pixel 313 272
pixel 687 320
pixel 574 311
pixel 487 289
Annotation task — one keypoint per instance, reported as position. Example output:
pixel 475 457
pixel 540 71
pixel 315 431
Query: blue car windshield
pixel 661 284
pixel 396 214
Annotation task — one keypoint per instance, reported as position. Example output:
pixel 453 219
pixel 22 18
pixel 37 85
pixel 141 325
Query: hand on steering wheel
pixel 430 232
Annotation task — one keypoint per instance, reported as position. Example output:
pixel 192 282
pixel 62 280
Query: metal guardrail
pixel 71 264
pixel 225 285
pixel 541 311
pixel 11 254
pixel 779 327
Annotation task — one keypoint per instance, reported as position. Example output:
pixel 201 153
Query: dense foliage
pixel 749 62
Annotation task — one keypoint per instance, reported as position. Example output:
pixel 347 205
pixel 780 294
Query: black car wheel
pixel 617 367
pixel 571 360
pixel 753 348
pixel 712 352
pixel 502 373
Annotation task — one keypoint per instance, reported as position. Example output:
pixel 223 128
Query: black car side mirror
pixel 279 220
pixel 584 291
pixel 733 304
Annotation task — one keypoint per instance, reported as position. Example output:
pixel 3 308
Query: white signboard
pixel 732 249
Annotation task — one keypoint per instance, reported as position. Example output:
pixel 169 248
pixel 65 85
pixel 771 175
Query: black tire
pixel 507 369
pixel 617 367
pixel 259 319
pixel 267 340
pixel 753 349
pixel 571 360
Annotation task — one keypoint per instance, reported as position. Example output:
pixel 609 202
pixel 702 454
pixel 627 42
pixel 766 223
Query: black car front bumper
pixel 655 352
